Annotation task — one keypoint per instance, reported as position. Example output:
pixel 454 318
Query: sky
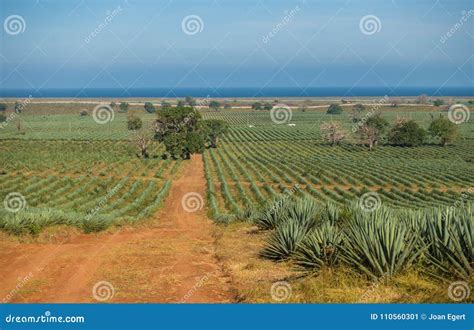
pixel 245 43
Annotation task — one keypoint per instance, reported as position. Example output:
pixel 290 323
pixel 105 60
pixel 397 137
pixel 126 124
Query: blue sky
pixel 320 44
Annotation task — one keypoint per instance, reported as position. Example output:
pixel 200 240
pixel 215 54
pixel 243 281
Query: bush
pixel 407 134
pixel 134 123
pixel 3 118
pixel 438 103
pixel 83 113
pixel 334 109
pixel 444 130
pixel 3 107
pixel 149 107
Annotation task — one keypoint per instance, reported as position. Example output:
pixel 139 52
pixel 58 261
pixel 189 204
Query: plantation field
pixel 52 155
pixel 281 190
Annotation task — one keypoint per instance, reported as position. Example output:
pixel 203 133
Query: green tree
pixel 123 106
pixel 267 106
pixel 443 129
pixel 214 105
pixel 149 107
pixel 257 106
pixel 438 102
pixel 373 130
pixel 3 107
pixel 180 131
pixel 407 134
pixel 180 103
pixel 134 123
pixel 3 118
pixel 113 105
pixel 214 129
pixel 334 109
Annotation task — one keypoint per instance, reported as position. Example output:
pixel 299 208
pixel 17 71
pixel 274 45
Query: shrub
pixel 134 123
pixel 407 134
pixel 149 107
pixel 444 130
pixel 3 118
pixel 334 109
pixel 3 107
pixel 83 113
pixel 284 241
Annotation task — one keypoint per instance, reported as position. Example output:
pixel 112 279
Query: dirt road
pixel 170 258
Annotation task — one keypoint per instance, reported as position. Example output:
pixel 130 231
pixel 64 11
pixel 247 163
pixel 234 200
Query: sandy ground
pixel 170 258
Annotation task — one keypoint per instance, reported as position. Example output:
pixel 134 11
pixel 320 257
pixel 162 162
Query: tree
pixel 180 131
pixel 333 133
pixel 334 109
pixel 444 130
pixel 83 113
pixel 113 105
pixel 373 130
pixel 407 134
pixel 134 123
pixel 3 107
pixel 214 105
pixel 123 106
pixel 3 118
pixel 190 101
pixel 213 129
pixel 180 103
pixel 357 109
pixel 257 106
pixel 149 107
pixel 267 106
pixel 142 140
pixel 438 102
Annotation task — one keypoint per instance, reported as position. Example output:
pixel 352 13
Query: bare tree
pixel 142 139
pixel 333 133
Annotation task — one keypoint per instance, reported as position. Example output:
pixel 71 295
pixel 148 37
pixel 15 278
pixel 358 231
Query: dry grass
pixel 252 277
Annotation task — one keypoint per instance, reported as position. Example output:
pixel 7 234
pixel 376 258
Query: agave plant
pixel 284 240
pixel 380 245
pixel 303 211
pixel 320 248
pixel 273 214
pixel 452 250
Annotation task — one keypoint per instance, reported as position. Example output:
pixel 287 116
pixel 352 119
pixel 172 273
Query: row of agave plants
pixel 379 244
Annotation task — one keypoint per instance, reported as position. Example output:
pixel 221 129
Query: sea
pixel 236 92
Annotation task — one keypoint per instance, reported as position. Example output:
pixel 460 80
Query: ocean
pixel 236 92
